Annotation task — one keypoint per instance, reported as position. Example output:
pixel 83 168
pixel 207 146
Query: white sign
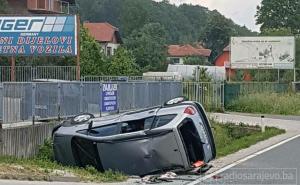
pixel 262 52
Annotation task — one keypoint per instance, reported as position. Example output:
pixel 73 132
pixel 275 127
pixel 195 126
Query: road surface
pixel 280 165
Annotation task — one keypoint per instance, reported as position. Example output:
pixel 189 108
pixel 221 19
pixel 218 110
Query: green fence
pixel 233 90
pixel 210 95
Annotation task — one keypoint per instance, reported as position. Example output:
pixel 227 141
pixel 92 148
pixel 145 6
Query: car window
pixel 163 120
pixel 107 130
pixel 136 125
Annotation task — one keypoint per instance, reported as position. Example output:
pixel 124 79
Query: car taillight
pixel 190 111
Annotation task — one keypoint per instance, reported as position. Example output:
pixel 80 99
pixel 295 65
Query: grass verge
pixel 43 167
pixel 230 138
pixel 267 103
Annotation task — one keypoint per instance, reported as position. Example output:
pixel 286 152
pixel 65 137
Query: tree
pixel 279 14
pixel 92 58
pixel 122 63
pixel 3 6
pixel 217 34
pixel 149 46
pixel 201 74
pixel 196 61
pixel 183 24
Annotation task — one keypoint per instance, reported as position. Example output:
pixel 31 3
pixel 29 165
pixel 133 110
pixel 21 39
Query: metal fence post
pixel 147 95
pixel 100 99
pixel 59 100
pixel 133 95
pixel 33 102
pixel 81 97
pixel 118 98
pixel 160 93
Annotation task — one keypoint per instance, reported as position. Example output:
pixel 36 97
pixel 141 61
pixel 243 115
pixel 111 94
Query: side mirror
pixel 90 127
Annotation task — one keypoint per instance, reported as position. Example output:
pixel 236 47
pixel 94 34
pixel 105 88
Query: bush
pixel 45 151
pixel 267 103
pixel 230 138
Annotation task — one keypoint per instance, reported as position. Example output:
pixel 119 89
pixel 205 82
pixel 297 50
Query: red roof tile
pixel 187 50
pixel 102 32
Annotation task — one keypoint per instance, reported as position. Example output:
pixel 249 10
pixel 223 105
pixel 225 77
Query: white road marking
pixel 242 160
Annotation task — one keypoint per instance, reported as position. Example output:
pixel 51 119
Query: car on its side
pixel 172 136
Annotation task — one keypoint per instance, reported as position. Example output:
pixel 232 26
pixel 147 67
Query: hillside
pixel 183 24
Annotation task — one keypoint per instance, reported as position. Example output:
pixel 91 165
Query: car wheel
pixel 82 118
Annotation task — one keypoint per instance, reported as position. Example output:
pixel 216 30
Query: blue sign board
pixel 38 36
pixel 109 97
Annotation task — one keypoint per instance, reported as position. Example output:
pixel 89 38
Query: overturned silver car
pixel 173 136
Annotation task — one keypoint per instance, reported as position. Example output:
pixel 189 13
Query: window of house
pixel 108 51
pixel 175 60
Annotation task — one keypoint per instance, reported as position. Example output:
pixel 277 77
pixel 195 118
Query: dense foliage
pixel 149 46
pixel 182 24
pixel 123 63
pixel 279 14
pixel 267 103
pixel 92 58
pixel 3 6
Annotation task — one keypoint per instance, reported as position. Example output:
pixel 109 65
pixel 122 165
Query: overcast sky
pixel 240 11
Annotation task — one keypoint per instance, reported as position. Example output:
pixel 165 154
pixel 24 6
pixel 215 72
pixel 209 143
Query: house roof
pixel 103 32
pixel 187 50
pixel 227 48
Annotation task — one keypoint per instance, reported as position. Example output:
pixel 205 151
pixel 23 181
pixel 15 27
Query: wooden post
pixel 13 69
pixel 78 50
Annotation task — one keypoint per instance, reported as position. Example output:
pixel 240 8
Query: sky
pixel 241 12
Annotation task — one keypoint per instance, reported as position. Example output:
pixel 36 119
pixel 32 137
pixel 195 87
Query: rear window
pixel 163 120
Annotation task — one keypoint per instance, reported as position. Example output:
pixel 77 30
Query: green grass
pixel 43 165
pixel 37 169
pixel 230 138
pixel 267 103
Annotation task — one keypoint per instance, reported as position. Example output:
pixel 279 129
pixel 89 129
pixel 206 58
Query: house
pixel 29 7
pixel 177 53
pixel 107 35
pixel 224 60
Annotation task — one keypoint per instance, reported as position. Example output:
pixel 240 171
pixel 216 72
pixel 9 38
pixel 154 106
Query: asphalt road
pixel 280 165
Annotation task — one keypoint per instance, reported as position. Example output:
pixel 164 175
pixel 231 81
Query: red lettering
pixel 21 50
pixel 63 40
pixel 70 40
pixel 21 40
pixel 55 40
pixel 13 49
pixel 48 49
pixel 32 49
pixel 69 49
pixel 47 40
pixel 40 40
pixel 40 49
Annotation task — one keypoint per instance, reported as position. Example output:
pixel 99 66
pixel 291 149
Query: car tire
pixel 82 118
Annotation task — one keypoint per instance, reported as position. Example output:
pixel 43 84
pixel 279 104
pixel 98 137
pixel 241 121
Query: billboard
pixel 38 35
pixel 262 52
pixel 109 97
